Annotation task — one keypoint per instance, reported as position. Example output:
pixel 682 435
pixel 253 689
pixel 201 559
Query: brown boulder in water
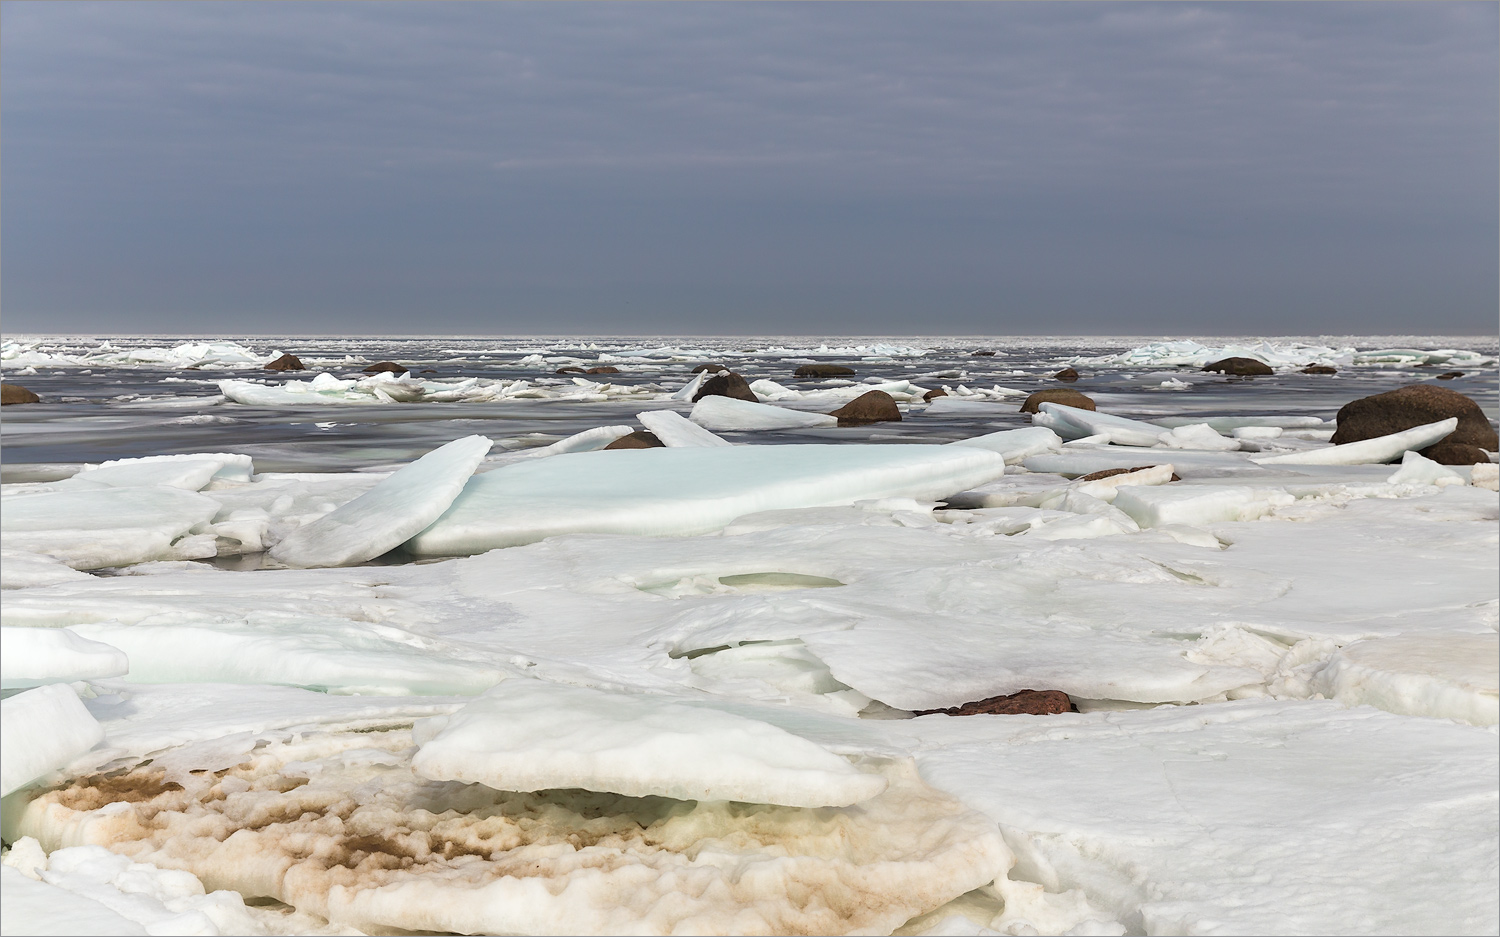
pixel 1320 369
pixel 1067 375
pixel 15 393
pixel 603 369
pixel 640 439
pixel 982 354
pixel 726 385
pixel 710 368
pixel 390 367
pixel 1449 375
pixel 1456 453
pixel 823 370
pixel 1244 367
pixel 1411 406
pixel 286 363
pixel 933 394
pixel 874 406
pixel 570 370
pixel 1023 703
pixel 1066 396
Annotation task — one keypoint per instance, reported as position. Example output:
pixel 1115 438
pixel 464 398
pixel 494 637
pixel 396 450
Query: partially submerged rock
pixel 15 393
pixel 1449 375
pixel 710 368
pixel 1412 406
pixel 389 367
pixel 1066 396
pixel 603 369
pixel 728 384
pixel 1243 367
pixel 933 394
pixel 570 370
pixel 1320 369
pixel 1456 453
pixel 824 370
pixel 1067 375
pixel 1112 472
pixel 286 363
pixel 640 439
pixel 875 406
pixel 982 354
pixel 1022 703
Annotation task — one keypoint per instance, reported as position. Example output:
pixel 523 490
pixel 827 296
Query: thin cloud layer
pixel 844 167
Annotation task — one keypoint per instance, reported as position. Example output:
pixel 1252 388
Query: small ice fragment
pixel 1417 469
pixel 586 441
pixel 1256 432
pixel 36 656
pixel 1121 431
pixel 1197 505
pixel 1015 444
pixel 528 735
pixel 387 515
pixel 676 431
pixel 1485 475
pixel 1106 488
pixel 1197 436
pixel 41 730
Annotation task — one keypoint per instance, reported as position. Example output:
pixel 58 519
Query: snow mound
pixel 688 490
pixel 35 656
pixel 1451 676
pixel 389 514
pixel 338 825
pixel 528 735
pixel 41 730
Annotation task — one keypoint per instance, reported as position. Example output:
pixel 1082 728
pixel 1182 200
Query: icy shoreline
pixel 677 689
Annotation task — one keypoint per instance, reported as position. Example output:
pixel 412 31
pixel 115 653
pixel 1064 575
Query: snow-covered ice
pixel 36 656
pixel 42 730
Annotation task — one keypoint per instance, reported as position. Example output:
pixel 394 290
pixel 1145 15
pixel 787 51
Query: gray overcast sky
pixel 750 167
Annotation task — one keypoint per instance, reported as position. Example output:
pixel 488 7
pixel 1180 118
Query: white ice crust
pixel 1450 676
pixel 36 656
pixel 389 514
pixel 1015 444
pixel 528 735
pixel 41 730
pixel 674 491
pixel 109 526
pixel 677 431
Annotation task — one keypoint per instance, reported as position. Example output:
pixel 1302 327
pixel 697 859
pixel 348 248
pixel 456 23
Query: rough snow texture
pixel 42 730
pixel 389 514
pixel 527 735
pixel 1450 676
pixel 688 490
pixel 443 856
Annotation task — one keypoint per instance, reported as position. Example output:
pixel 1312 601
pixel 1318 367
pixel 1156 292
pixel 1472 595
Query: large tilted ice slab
pixel 527 735
pixel 1241 818
pixel 1076 423
pixel 188 472
pixel 678 432
pixel 688 490
pixel 111 526
pixel 41 730
pixel 1379 449
pixel 1450 676
pixel 36 656
pixel 725 414
pixel 389 514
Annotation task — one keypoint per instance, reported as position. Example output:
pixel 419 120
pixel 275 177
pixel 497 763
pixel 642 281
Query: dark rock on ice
pixel 1456 453
pixel 640 439
pixel 823 370
pixel 286 363
pixel 1110 473
pixel 389 367
pixel 1023 703
pixel 1244 367
pixel 603 369
pixel 15 393
pixel 874 406
pixel 570 370
pixel 710 368
pixel 1066 396
pixel 1066 374
pixel 1449 375
pixel 1320 369
pixel 931 394
pixel 1415 405
pixel 726 385
pixel 982 354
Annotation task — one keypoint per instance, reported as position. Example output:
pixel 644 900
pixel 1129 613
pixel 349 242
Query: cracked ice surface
pixel 1286 671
